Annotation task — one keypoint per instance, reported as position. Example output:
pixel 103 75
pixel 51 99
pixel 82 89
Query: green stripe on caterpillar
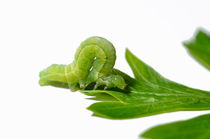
pixel 92 67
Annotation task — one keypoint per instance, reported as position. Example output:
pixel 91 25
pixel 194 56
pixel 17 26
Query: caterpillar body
pixel 92 66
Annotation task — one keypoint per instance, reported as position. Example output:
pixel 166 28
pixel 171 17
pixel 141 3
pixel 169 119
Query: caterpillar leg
pixel 112 81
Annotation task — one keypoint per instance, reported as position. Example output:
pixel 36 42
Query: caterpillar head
pixel 53 75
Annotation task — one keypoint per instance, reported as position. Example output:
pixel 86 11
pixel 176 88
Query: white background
pixel 37 33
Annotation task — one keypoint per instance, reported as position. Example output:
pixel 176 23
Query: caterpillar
pixel 92 67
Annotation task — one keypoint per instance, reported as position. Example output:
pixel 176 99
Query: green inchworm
pixel 92 67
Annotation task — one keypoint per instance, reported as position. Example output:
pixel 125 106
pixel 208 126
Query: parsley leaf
pixel 199 47
pixel 196 128
pixel 148 94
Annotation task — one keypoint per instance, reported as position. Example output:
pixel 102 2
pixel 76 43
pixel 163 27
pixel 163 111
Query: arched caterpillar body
pixel 92 66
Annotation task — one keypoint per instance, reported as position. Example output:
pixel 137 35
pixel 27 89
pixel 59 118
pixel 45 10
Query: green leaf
pixel 148 94
pixel 199 47
pixel 196 128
